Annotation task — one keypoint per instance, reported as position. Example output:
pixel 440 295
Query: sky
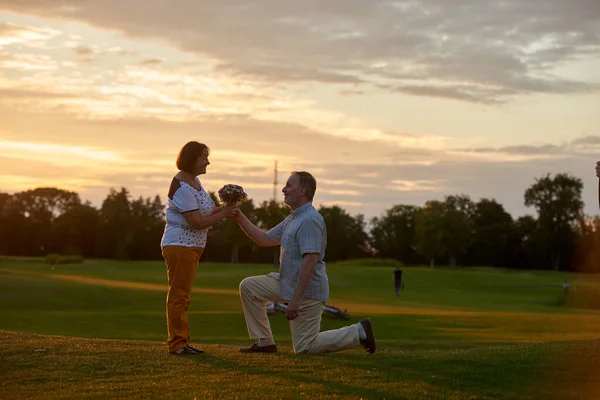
pixel 385 102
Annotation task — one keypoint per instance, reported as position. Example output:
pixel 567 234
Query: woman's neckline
pixel 196 181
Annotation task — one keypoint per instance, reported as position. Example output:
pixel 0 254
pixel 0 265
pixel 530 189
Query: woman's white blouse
pixel 184 198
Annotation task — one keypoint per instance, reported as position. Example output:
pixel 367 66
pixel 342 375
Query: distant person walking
pixel 190 212
pixel 398 280
pixel 566 296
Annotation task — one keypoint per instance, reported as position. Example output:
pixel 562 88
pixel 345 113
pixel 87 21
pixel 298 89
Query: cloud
pixel 456 92
pixel 24 94
pixel 416 184
pixel 107 91
pixel 11 30
pixel 587 140
pixel 246 89
pixel 90 156
pixel 485 51
pixel 286 74
pixel 347 92
pixel 575 146
pixel 11 34
pixel 27 62
pixel 57 153
pixel 82 50
pixel 532 150
pixel 151 61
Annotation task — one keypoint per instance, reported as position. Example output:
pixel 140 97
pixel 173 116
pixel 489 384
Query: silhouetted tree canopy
pixel 455 231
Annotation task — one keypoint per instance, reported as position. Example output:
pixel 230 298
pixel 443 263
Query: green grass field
pixel 95 330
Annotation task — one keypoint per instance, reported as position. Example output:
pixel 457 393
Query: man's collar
pixel 298 211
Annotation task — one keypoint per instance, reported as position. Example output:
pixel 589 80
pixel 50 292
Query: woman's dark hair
pixel 188 155
pixel 308 182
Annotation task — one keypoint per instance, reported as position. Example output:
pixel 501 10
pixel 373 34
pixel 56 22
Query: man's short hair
pixel 308 182
pixel 188 155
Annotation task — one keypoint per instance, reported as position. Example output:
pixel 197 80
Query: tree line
pixel 452 231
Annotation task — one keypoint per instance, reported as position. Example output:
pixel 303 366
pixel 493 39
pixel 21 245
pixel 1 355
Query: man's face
pixel 292 192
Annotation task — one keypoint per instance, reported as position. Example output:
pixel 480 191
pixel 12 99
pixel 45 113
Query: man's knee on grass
pixel 306 346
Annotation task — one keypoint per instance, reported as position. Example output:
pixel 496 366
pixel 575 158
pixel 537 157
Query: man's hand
pixel 291 312
pixel 238 215
pixel 309 260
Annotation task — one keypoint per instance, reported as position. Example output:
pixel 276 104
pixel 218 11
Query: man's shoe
pixel 187 350
pixel 255 348
pixel 369 342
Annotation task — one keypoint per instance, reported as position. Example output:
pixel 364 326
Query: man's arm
pixel 256 234
pixel 309 261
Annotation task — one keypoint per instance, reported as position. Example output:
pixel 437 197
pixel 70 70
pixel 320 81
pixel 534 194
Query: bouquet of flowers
pixel 231 194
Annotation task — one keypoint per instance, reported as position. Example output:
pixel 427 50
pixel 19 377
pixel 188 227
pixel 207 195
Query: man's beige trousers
pixel 255 291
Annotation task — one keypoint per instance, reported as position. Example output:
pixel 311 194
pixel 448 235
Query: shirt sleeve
pixel 276 232
pixel 310 237
pixel 184 200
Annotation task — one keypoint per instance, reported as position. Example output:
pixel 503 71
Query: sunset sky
pixel 385 102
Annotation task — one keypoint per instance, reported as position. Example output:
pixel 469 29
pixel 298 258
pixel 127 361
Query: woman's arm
pixel 217 209
pixel 199 221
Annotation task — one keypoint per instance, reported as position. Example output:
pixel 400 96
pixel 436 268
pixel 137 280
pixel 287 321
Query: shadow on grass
pixel 502 372
pixel 333 387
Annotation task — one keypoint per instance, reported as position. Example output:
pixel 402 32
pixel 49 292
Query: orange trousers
pixel 182 263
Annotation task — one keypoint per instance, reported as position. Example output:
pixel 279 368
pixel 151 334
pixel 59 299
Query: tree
pixel 12 224
pixel 146 229
pixel 44 201
pixel 226 241
pixel 429 231
pixel 4 200
pixel 559 205
pixel 527 242
pixel 445 228
pixel 76 230
pixel 269 214
pixel 394 234
pixel 458 225
pixel 114 225
pixel 216 247
pixel 346 236
pixel 588 249
pixel 35 211
pixel 493 229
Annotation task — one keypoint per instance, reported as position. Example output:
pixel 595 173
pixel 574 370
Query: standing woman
pixel 190 212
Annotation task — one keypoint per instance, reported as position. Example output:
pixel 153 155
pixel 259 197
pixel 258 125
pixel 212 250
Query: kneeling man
pixel 302 280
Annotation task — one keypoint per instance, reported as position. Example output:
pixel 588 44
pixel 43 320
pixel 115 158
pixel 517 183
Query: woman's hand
pixel 228 212
pixel 217 210
pixel 199 221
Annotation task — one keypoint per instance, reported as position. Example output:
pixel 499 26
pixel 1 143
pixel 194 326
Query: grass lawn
pixel 95 330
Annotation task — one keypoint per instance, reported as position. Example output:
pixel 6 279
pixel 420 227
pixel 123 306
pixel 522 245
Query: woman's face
pixel 202 162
